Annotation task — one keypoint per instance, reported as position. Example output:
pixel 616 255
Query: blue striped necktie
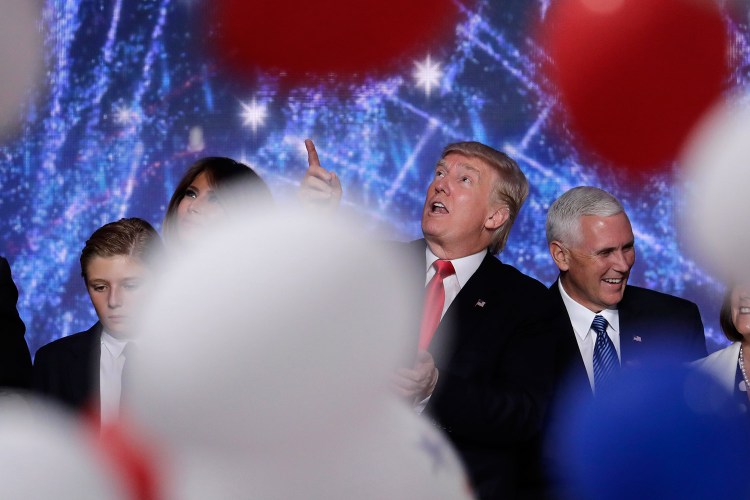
pixel 605 356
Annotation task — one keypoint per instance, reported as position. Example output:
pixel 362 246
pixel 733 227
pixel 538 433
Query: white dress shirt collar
pixel 113 345
pixel 465 266
pixel 580 319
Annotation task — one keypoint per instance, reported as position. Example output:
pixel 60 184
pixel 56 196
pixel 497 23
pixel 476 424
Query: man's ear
pixel 560 255
pixel 498 218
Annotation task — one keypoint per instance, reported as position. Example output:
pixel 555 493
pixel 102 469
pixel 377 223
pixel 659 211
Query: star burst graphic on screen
pixel 131 102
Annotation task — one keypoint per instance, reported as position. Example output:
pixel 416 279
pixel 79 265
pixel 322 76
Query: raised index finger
pixel 312 154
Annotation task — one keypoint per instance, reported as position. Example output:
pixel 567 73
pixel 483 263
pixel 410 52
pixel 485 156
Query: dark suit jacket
pixel 494 370
pixel 67 369
pixel 655 329
pixel 15 360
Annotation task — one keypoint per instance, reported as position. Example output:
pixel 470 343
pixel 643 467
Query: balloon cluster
pixel 266 357
pixel 266 363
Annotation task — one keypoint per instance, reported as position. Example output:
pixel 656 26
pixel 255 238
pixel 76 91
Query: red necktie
pixel 434 300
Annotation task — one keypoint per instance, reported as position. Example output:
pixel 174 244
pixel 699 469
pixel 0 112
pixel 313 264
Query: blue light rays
pixel 111 139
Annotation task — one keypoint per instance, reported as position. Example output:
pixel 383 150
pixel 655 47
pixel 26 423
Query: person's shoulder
pixel 512 277
pixel 655 298
pixel 5 273
pixel 729 352
pixel 69 343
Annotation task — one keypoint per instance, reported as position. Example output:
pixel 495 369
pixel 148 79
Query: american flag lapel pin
pixel 637 338
pixel 480 303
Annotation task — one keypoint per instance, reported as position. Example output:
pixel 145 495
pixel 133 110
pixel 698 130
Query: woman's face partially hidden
pixel 741 309
pixel 198 209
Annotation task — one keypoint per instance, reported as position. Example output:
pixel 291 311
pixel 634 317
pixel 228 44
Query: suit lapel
pixel 571 367
pixel 627 310
pixel 459 324
pixel 85 369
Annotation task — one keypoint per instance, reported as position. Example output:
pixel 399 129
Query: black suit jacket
pixel 15 360
pixel 655 329
pixel 67 369
pixel 494 360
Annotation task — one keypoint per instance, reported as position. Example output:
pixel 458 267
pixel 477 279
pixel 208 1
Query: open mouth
pixel 438 208
pixel 745 310
pixel 613 281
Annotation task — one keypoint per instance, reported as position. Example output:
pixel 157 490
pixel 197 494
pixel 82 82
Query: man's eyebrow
pixel 606 250
pixel 629 244
pixel 442 163
pixel 469 167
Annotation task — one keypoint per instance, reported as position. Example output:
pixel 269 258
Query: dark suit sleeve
pixel 67 369
pixel 15 359
pixel 671 327
pixel 696 337
pixel 43 379
pixel 496 392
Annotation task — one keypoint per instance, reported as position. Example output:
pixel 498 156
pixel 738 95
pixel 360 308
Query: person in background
pixel 84 371
pixel 208 192
pixel 603 325
pixel 592 243
pixel 15 360
pixel 730 365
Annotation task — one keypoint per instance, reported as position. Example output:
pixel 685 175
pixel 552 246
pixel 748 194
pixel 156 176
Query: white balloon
pixel 46 453
pixel 21 58
pixel 393 453
pixel 716 164
pixel 275 332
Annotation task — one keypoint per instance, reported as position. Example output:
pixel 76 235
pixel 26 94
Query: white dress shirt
pixel 465 267
pixel 111 362
pixel 581 318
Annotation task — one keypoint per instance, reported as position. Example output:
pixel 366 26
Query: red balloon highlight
pixel 634 76
pixel 131 459
pixel 303 38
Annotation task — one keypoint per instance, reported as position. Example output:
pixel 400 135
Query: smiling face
pixel 116 286
pixel 460 214
pixel 198 209
pixel 594 268
pixel 741 310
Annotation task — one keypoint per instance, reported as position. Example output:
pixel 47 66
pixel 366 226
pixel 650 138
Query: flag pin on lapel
pixel 480 303
pixel 637 338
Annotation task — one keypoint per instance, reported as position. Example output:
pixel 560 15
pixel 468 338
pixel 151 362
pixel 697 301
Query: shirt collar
pixel 114 345
pixel 581 317
pixel 465 266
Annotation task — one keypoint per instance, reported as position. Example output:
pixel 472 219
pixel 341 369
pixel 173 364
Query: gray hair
pixel 563 217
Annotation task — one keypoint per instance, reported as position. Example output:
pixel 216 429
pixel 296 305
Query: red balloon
pixel 350 38
pixel 634 76
pixel 131 458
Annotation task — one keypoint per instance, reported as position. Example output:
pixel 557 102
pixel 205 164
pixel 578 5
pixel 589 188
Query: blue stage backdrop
pixel 132 98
